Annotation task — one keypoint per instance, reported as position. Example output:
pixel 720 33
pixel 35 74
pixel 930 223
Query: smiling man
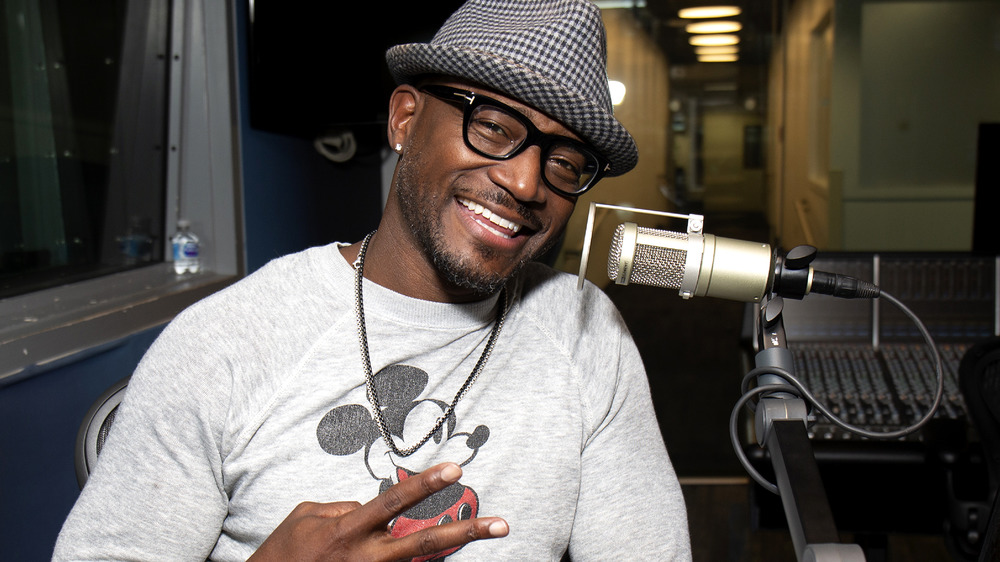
pixel 410 395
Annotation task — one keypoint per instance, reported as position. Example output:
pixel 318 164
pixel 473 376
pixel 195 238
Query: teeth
pixel 488 215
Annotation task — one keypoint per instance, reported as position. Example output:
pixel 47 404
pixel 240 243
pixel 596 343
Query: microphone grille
pixel 615 253
pixel 651 265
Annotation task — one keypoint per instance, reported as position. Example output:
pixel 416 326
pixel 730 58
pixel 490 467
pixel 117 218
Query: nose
pixel 521 175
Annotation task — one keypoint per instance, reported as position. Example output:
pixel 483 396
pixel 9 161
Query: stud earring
pixel 399 148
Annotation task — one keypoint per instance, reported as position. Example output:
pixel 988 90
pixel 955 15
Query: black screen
pixel 319 66
pixel 985 232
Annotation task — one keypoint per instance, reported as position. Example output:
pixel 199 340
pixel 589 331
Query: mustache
pixel 502 198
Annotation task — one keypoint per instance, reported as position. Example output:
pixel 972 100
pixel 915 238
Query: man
pixel 408 396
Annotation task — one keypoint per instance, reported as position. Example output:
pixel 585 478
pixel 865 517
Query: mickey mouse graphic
pixel 347 429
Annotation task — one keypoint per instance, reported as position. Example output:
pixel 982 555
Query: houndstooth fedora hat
pixel 550 54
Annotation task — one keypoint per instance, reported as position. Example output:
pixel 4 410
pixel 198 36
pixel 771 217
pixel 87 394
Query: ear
pixel 402 110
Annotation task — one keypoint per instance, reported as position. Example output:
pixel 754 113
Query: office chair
pixel 979 381
pixel 95 428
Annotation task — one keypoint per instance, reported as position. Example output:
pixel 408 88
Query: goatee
pixel 456 269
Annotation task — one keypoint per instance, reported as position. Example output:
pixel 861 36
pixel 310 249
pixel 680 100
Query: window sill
pixel 47 328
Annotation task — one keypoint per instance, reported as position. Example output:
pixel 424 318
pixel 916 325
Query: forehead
pixel 544 123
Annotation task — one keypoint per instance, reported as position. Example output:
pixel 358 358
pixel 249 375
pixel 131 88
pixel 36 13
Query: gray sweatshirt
pixel 253 400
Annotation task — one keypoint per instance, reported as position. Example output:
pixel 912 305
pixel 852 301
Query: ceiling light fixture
pixel 709 12
pixel 727 26
pixel 725 50
pixel 713 40
pixel 718 58
pixel 617 91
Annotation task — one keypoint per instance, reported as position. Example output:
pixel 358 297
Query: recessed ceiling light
pixel 709 12
pixel 713 40
pixel 725 50
pixel 718 58
pixel 727 26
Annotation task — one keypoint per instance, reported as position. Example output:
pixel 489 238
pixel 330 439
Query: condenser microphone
pixel 692 263
pixel 698 264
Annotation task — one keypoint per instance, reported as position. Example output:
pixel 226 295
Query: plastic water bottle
pixel 186 247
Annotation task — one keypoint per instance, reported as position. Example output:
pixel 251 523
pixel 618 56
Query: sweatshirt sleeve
pixel 157 492
pixel 630 500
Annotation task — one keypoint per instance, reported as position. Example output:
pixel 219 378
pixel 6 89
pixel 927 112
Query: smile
pixel 489 215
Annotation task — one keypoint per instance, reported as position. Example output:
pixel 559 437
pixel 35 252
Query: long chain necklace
pixel 359 266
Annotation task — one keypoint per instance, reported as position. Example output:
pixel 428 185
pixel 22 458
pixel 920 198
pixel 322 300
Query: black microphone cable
pixel 796 387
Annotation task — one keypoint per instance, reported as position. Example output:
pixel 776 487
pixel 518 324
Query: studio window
pixel 83 129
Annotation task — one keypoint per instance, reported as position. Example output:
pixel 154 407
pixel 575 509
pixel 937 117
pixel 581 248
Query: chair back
pixel 979 382
pixel 95 428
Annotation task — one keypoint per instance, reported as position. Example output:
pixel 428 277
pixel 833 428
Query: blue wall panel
pixel 40 415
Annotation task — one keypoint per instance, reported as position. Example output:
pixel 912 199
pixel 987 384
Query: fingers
pixel 350 531
pixel 406 494
pixel 448 536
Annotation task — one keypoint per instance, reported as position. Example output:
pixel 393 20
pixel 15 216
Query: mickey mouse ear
pixel 345 430
pixel 478 437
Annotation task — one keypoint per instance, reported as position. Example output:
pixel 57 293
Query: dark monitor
pixel 986 216
pixel 319 66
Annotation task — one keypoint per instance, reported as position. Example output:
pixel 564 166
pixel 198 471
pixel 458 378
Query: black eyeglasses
pixel 495 130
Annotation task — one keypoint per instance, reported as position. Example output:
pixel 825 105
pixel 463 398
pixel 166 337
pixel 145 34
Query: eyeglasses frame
pixel 468 101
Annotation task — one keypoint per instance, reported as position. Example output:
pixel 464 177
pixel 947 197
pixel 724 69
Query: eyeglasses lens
pixel 496 132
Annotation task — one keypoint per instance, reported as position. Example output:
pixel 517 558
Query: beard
pixel 419 208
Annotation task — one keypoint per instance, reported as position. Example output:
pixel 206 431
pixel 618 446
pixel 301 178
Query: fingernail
pixel 451 473
pixel 498 529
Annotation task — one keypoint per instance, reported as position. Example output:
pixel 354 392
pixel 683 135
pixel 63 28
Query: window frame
pixel 46 328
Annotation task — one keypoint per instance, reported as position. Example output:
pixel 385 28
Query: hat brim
pixel 595 125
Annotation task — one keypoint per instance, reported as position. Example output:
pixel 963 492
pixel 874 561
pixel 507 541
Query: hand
pixel 351 531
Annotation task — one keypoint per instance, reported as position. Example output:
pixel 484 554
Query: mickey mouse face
pixel 347 429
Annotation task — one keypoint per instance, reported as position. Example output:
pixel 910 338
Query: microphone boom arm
pixel 780 425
